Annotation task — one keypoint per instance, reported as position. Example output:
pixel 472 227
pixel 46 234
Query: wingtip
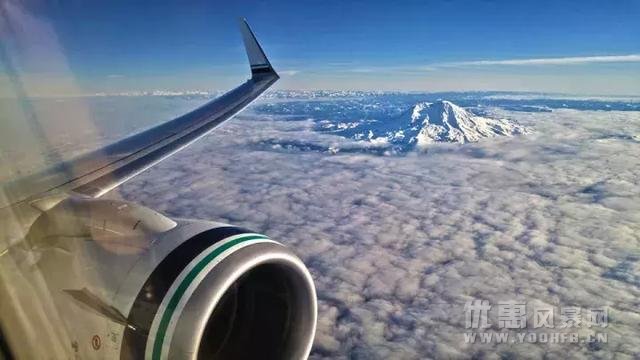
pixel 258 60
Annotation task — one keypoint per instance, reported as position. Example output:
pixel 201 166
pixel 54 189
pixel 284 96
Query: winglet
pixel 260 65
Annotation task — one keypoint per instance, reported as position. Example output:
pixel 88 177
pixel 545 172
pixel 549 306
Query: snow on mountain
pixel 426 123
pixel 393 124
pixel 398 128
pixel 444 121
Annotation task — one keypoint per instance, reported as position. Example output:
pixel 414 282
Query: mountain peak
pixel 423 124
pixel 444 121
pixel 442 106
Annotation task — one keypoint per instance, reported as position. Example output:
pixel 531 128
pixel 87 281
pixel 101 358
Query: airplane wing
pixel 89 278
pixel 98 172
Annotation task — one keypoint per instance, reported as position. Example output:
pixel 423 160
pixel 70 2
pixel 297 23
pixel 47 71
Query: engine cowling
pixel 127 282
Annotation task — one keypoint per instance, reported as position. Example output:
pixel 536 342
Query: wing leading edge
pixel 98 172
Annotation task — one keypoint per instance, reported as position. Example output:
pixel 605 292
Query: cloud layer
pixel 570 60
pixel 398 244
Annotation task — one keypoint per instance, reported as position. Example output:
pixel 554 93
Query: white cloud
pixel 396 245
pixel 288 72
pixel 571 60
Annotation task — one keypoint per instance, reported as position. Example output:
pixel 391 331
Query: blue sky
pixel 377 45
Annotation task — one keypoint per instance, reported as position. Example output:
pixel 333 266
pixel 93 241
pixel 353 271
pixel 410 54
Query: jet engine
pixel 124 281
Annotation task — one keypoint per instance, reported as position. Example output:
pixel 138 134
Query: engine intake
pixel 242 296
pixel 265 309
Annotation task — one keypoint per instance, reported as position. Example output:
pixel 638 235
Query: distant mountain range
pixel 315 94
pixel 426 123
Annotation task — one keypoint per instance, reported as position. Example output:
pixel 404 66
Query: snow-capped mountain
pixel 443 121
pixel 394 123
pixel 426 123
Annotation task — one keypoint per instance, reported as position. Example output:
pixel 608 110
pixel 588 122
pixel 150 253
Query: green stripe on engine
pixel 182 288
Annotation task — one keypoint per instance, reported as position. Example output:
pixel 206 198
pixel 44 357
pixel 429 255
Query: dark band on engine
pixel 153 291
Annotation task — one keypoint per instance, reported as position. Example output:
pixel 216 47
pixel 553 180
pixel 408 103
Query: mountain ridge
pixel 444 121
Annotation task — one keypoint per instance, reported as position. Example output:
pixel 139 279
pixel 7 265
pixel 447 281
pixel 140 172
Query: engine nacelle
pixel 127 282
